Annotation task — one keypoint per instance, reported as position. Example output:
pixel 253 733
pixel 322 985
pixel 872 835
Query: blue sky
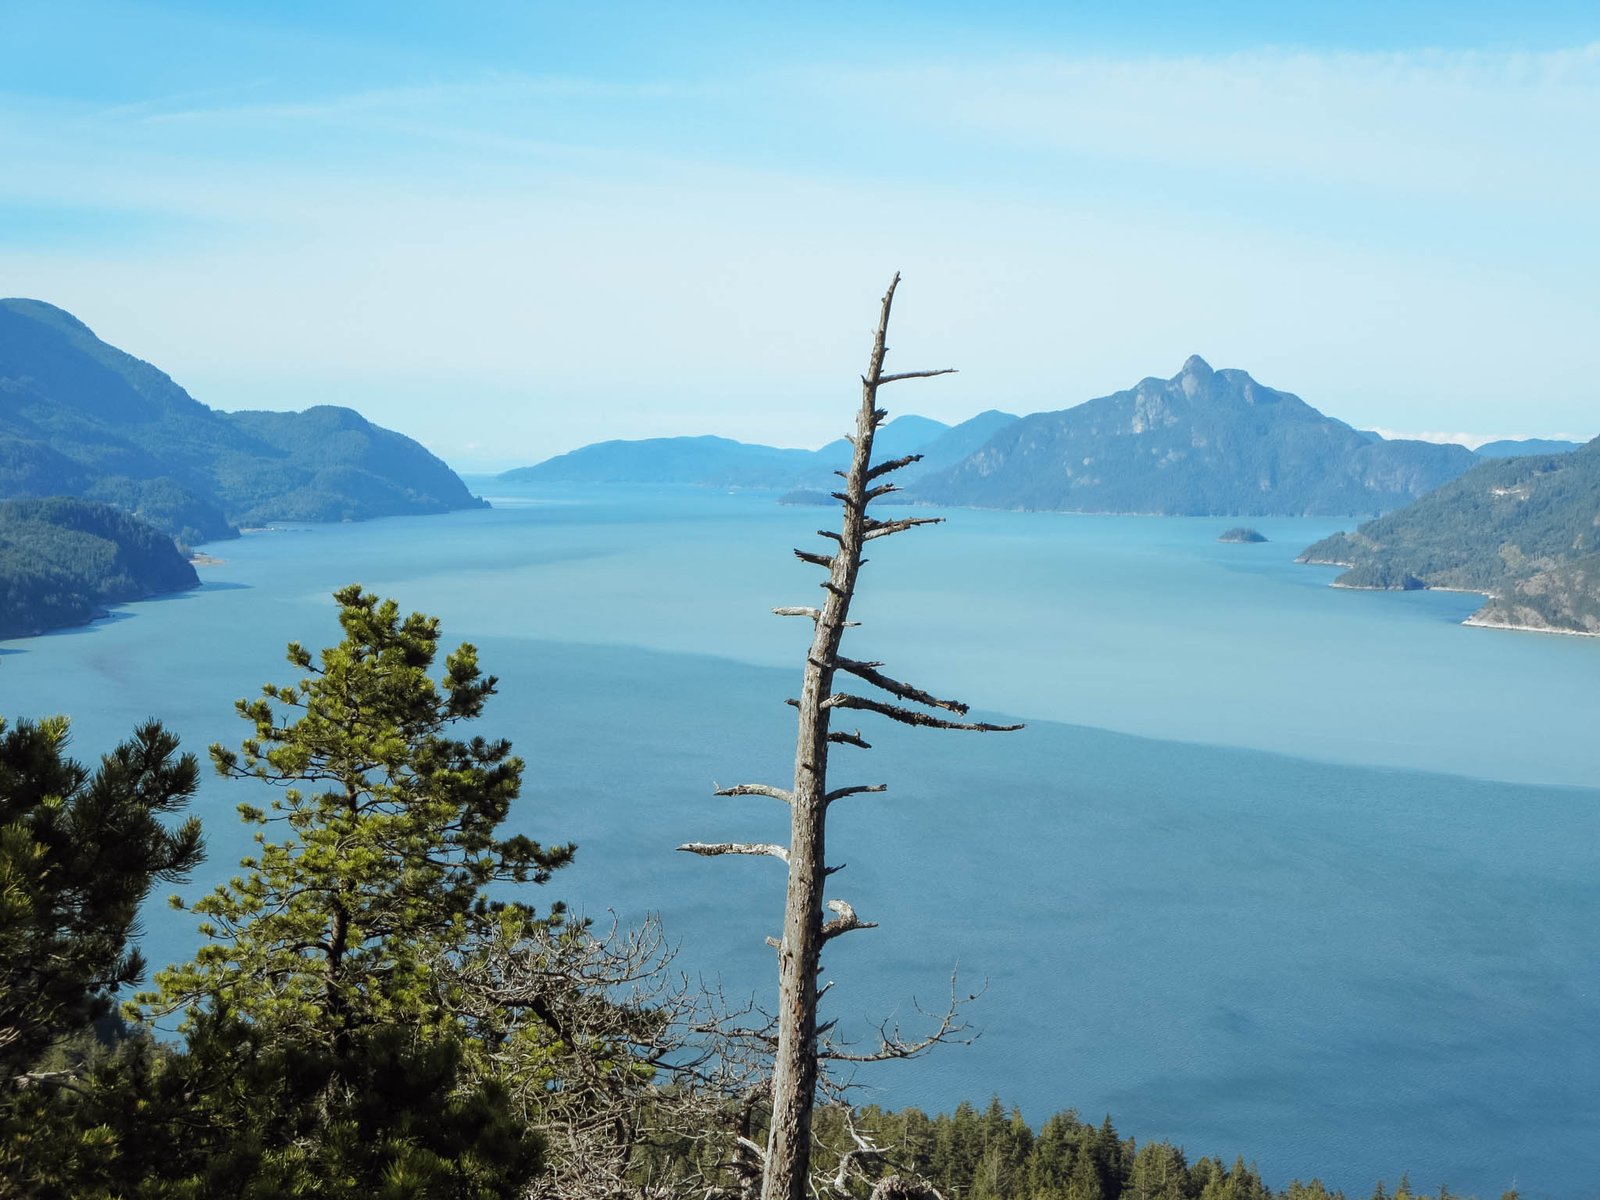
pixel 510 228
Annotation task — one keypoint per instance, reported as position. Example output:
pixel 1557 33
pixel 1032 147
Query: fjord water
pixel 1303 874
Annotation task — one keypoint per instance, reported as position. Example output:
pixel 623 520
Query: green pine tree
pixel 78 853
pixel 389 847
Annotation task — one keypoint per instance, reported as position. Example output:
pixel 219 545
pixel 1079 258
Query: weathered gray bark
pixel 795 1067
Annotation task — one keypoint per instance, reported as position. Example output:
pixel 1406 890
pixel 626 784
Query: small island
pixel 807 496
pixel 1241 534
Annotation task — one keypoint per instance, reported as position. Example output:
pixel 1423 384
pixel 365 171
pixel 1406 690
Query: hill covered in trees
pixel 709 461
pixel 1203 443
pixel 79 417
pixel 1524 530
pixel 63 560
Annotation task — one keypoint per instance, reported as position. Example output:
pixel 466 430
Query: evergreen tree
pixel 326 1052
pixel 390 839
pixel 78 853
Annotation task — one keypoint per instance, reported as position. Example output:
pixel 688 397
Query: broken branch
pixel 845 921
pixel 877 529
pixel 907 716
pixel 841 793
pixel 894 464
pixel 899 375
pixel 756 789
pixel 864 670
pixel 712 849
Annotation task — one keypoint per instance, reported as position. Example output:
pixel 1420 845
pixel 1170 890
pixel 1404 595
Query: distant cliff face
pixel 1526 530
pixel 1201 443
pixel 80 417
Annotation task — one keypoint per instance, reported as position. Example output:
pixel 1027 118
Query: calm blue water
pixel 1303 874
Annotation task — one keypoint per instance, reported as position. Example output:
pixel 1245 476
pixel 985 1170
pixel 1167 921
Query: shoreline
pixel 1477 624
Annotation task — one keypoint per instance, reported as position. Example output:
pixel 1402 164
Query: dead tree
pixel 786 1159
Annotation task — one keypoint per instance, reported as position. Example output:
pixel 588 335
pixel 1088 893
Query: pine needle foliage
pixel 388 850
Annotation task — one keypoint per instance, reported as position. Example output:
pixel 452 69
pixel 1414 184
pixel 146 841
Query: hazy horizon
pixel 544 227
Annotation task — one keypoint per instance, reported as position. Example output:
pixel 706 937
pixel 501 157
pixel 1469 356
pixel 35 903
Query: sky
pixel 509 228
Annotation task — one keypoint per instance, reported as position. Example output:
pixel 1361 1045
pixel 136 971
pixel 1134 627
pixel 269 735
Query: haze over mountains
pixel 1202 443
pixel 79 417
pixel 710 461
pixel 1212 443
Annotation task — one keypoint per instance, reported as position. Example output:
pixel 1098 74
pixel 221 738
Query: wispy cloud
pixel 1401 239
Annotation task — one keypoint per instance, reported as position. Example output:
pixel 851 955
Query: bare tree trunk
pixel 794 1073
pixel 795 1067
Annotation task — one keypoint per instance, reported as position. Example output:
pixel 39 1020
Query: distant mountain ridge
pixel 81 417
pixel 1202 443
pixel 1524 530
pixel 709 461
pixel 1513 447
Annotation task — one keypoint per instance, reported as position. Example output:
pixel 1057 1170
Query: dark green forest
pixel 63 560
pixel 386 1001
pixel 1521 529
pixel 83 418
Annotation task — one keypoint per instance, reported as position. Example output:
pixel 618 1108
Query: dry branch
pixel 878 529
pixel 845 921
pixel 909 716
pixel 713 849
pixel 896 378
pixel 756 789
pixel 866 671
pixel 856 790
pixel 894 464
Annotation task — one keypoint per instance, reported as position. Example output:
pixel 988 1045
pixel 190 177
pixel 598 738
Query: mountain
pixel 1203 443
pixel 706 461
pixel 1525 530
pixel 62 560
pixel 721 462
pixel 1512 447
pixel 80 417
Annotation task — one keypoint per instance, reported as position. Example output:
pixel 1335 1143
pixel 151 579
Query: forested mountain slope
pixel 62 560
pixel 1204 442
pixel 80 417
pixel 1525 530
